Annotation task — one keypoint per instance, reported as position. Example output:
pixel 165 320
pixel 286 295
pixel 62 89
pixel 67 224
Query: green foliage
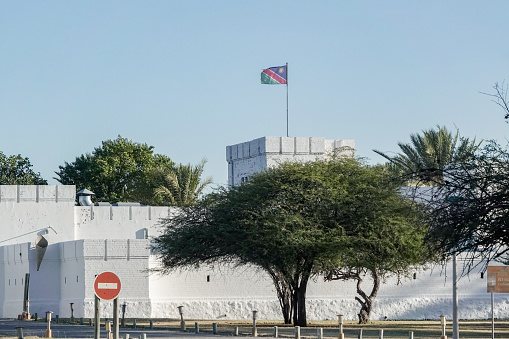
pixel 119 170
pixel 183 185
pixel 296 220
pixel 16 170
pixel 424 159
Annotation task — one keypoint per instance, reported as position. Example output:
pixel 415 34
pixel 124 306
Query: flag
pixel 274 75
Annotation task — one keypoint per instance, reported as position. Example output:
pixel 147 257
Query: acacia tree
pixel 292 221
pixel 384 236
pixel 16 170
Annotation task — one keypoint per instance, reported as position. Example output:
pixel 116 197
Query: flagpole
pixel 287 100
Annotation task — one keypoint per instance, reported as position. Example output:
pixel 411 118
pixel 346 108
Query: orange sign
pixel 498 279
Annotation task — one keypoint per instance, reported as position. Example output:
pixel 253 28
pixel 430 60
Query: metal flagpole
pixel 287 100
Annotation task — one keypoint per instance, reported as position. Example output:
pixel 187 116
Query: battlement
pixel 254 156
pixel 285 145
pixel 38 193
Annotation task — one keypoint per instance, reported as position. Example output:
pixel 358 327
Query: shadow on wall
pixel 433 308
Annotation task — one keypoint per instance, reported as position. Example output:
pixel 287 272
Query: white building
pixel 87 240
pixel 253 156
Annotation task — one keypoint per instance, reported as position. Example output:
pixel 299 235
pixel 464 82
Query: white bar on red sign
pixel 107 286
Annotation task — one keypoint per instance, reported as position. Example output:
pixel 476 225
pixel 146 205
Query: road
pixel 38 328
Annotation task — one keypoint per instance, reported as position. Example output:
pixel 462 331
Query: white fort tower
pixel 253 156
pixel 84 240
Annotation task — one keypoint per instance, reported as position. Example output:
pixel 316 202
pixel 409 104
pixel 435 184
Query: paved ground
pixel 38 328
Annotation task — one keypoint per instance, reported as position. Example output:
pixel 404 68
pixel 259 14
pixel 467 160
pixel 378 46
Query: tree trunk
pixel 367 301
pixel 301 306
pixel 299 297
pixel 284 296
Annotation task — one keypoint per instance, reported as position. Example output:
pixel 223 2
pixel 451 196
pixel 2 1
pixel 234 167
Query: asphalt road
pixel 38 328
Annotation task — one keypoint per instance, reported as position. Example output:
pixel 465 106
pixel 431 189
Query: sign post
pixel 498 282
pixel 107 287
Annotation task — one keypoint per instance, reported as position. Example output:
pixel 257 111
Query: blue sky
pixel 184 76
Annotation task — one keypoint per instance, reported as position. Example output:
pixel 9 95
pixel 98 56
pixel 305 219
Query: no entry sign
pixel 107 286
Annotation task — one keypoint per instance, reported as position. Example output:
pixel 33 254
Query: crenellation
pixel 38 193
pixel 8 193
pixel 245 149
pixel 287 145
pixel 267 152
pixel 46 193
pixel 27 193
pixel 254 147
pixel 317 145
pixel 301 145
pixel 272 145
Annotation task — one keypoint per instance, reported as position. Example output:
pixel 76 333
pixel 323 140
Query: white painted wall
pixel 254 156
pixel 25 210
pixel 234 293
pixel 13 266
pixel 90 240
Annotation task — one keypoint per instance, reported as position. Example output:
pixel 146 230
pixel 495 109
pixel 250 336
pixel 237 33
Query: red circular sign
pixel 107 286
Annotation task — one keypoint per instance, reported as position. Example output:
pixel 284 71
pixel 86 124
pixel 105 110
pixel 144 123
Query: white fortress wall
pixel 119 222
pixel 93 239
pixel 13 266
pixel 68 272
pixel 129 260
pixel 233 293
pixel 254 156
pixel 26 210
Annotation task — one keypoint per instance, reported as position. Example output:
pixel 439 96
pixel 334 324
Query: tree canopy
pixel 423 160
pixel 16 170
pixel 183 185
pixel 470 209
pixel 118 170
pixel 297 220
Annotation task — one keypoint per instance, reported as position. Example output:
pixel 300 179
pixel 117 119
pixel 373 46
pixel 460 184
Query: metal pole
pixel 297 332
pixel 340 320
pixel 287 133
pixel 115 319
pixel 255 332
pixel 492 316
pixel 455 327
pixel 97 318
pixel 443 323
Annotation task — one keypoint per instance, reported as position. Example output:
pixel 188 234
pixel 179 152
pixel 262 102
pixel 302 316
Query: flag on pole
pixel 274 75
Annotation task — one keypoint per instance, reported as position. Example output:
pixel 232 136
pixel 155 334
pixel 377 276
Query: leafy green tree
pixel 16 170
pixel 183 185
pixel 424 159
pixel 391 243
pixel 294 221
pixel 119 170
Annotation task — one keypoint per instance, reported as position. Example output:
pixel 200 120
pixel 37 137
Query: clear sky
pixel 184 76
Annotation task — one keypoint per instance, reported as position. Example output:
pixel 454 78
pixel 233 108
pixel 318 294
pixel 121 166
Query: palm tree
pixel 425 158
pixel 183 185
